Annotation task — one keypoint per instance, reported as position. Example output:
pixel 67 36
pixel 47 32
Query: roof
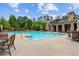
pixel 66 21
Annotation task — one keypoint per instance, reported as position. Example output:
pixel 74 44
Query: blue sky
pixel 37 9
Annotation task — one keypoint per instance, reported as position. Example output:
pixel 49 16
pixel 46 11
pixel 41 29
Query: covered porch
pixel 65 27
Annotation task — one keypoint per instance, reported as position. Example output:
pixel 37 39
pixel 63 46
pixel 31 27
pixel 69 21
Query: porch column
pixel 52 29
pixel 72 27
pixel 78 26
pixel 56 28
pixel 63 28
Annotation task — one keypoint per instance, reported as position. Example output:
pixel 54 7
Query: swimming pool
pixel 37 35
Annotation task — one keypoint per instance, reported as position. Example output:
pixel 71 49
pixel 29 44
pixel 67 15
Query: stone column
pixel 72 27
pixel 56 28
pixel 51 25
pixel 63 28
pixel 52 28
pixel 77 26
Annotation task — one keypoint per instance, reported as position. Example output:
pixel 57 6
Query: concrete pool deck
pixel 58 46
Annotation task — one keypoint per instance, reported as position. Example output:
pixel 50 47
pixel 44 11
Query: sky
pixel 37 9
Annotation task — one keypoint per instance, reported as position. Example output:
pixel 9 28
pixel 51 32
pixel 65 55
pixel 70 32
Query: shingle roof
pixel 67 21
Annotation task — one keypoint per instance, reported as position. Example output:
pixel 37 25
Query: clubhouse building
pixel 71 23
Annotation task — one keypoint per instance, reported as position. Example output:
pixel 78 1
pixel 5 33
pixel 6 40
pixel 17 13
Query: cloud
pixel 44 12
pixel 46 7
pixel 16 10
pixel 29 17
pixel 26 10
pixel 40 6
pixel 32 4
pixel 63 14
pixel 70 7
pixel 14 5
pixel 51 7
pixel 75 5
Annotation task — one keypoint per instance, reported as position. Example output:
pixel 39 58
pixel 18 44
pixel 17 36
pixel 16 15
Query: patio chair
pixel 75 35
pixel 3 36
pixel 6 46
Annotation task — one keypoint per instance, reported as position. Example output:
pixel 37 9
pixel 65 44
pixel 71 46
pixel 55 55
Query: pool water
pixel 37 35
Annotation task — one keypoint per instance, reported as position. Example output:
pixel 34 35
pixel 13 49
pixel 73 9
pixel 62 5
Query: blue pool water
pixel 38 35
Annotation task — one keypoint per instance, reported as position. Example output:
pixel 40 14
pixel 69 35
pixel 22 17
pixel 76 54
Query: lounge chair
pixel 6 46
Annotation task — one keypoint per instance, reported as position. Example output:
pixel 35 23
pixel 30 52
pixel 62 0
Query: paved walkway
pixel 59 46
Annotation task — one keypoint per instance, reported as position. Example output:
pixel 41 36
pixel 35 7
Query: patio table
pixel 2 40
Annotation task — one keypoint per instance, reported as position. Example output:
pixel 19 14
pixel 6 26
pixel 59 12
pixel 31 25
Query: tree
pixel 58 18
pixel 5 24
pixel 33 25
pixel 38 25
pixel 64 17
pixel 42 26
pixel 24 22
pixel 13 22
pixel 20 22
